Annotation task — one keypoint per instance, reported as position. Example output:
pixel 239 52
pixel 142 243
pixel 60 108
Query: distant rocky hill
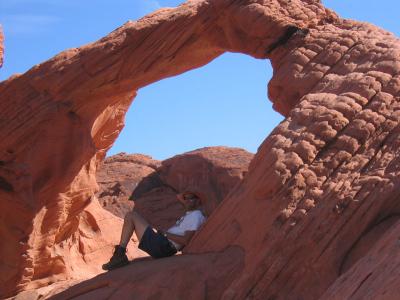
pixel 118 176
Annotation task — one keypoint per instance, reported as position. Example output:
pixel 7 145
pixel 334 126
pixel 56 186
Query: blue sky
pixel 223 103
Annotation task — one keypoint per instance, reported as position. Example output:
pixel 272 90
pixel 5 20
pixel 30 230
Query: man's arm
pixel 181 239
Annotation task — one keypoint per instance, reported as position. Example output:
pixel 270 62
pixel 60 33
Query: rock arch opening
pixel 222 103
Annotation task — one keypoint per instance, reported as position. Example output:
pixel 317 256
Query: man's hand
pixel 182 240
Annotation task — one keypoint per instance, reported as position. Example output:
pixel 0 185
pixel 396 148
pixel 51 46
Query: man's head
pixel 190 200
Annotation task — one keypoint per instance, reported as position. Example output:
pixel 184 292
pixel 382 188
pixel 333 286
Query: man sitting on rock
pixel 155 242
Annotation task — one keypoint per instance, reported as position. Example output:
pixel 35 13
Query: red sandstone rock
pixel 210 275
pixel 212 172
pixel 324 176
pixel 376 275
pixel 118 176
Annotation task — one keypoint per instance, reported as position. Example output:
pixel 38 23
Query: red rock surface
pixel 318 183
pixel 118 176
pixel 210 275
pixel 375 275
pixel 211 172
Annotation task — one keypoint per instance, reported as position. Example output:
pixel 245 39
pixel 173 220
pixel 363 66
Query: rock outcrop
pixel 118 176
pixel 203 276
pixel 212 172
pixel 375 275
pixel 325 178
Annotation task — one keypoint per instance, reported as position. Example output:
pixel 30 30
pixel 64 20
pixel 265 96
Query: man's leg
pixel 133 221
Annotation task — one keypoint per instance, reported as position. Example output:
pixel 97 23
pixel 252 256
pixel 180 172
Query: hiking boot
pixel 119 259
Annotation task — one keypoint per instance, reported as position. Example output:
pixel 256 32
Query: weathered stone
pixel 210 275
pixel 376 272
pixel 212 172
pixel 118 176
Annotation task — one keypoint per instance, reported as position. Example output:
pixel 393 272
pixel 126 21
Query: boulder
pixel 211 172
pixel 118 176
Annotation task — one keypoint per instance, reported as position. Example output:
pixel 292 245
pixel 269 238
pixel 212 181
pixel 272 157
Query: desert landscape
pixel 314 214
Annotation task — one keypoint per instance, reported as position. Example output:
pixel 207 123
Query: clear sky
pixel 223 103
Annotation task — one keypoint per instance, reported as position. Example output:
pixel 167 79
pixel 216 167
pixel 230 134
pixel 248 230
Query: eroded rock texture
pixel 324 179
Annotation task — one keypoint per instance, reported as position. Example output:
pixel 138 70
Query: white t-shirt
pixel 191 221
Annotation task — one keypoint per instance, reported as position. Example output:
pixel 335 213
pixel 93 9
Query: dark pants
pixel 156 244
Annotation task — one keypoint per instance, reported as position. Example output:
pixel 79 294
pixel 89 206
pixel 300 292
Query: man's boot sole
pixel 121 264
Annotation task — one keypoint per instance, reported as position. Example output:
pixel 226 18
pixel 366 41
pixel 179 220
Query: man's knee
pixel 129 217
pixel 132 216
pixel 138 219
pixel 135 215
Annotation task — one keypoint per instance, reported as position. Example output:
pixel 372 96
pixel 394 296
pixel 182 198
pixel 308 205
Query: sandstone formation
pixel 376 275
pixel 203 276
pixel 212 172
pixel 118 176
pixel 320 184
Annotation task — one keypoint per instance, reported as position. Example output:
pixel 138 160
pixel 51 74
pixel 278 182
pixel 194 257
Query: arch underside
pixel 320 182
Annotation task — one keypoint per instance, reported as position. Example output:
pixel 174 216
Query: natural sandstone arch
pixel 318 182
